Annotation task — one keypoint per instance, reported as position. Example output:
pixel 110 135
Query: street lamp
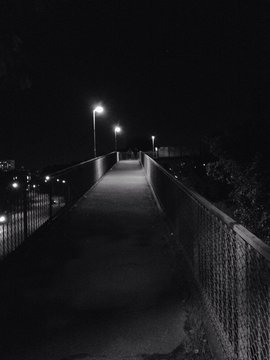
pixel 153 145
pixel 99 110
pixel 117 130
pixel 15 185
pixel 3 219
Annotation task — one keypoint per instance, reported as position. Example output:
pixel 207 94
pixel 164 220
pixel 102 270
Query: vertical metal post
pixel 68 194
pixel 153 146
pixel 25 220
pixel 115 140
pixel 50 199
pixel 94 131
pixel 242 310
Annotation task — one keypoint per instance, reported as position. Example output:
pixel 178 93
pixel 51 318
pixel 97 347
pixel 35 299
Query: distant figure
pixel 129 153
pixel 135 152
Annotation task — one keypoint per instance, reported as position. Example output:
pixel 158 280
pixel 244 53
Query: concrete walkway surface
pixel 99 283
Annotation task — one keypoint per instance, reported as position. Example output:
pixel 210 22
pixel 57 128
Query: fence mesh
pixel 38 199
pixel 230 264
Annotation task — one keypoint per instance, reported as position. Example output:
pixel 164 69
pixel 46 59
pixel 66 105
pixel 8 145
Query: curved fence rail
pixel 33 202
pixel 230 264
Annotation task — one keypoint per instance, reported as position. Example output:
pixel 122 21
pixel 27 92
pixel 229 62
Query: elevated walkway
pixel 100 282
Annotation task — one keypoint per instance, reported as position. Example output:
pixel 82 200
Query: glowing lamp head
pixel 98 109
pixel 117 129
pixel 15 185
pixel 3 219
pixel 47 178
pixel 153 137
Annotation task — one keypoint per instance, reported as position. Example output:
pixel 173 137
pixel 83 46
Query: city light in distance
pixel 3 219
pixel 15 185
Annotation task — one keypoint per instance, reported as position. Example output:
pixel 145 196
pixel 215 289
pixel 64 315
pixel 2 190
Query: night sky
pixel 178 70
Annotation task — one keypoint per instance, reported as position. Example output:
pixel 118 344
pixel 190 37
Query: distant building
pixel 173 151
pixel 169 151
pixel 7 165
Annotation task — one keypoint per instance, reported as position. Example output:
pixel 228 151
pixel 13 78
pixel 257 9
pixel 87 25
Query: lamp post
pixel 99 110
pixel 153 145
pixel 117 130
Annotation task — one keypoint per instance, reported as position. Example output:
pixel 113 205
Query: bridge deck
pixel 99 282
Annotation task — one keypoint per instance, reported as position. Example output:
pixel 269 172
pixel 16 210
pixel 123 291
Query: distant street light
pixel 99 110
pixel 117 130
pixel 153 145
pixel 15 185
pixel 3 219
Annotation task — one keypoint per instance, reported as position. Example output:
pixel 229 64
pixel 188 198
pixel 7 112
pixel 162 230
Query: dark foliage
pixel 244 166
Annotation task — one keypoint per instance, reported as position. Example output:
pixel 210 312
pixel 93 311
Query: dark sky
pixel 179 70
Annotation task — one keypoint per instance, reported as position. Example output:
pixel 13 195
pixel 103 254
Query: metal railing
pixel 230 264
pixel 31 204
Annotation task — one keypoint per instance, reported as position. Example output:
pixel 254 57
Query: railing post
pixel 50 199
pixel 68 194
pixel 242 310
pixel 196 239
pixel 25 220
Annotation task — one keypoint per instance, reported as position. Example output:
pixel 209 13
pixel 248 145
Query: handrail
pixel 230 264
pixel 39 201
pixel 69 168
pixel 243 232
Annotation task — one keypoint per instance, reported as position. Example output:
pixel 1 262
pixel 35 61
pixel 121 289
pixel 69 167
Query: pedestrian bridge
pixel 114 251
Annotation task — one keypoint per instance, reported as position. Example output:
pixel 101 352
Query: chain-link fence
pixel 230 264
pixel 28 203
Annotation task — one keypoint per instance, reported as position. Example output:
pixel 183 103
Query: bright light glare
pixel 156 149
pixel 153 138
pixel 99 109
pixel 15 185
pixel 57 180
pixel 34 186
pixel 117 129
pixel 3 219
pixel 63 181
pixel 47 177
